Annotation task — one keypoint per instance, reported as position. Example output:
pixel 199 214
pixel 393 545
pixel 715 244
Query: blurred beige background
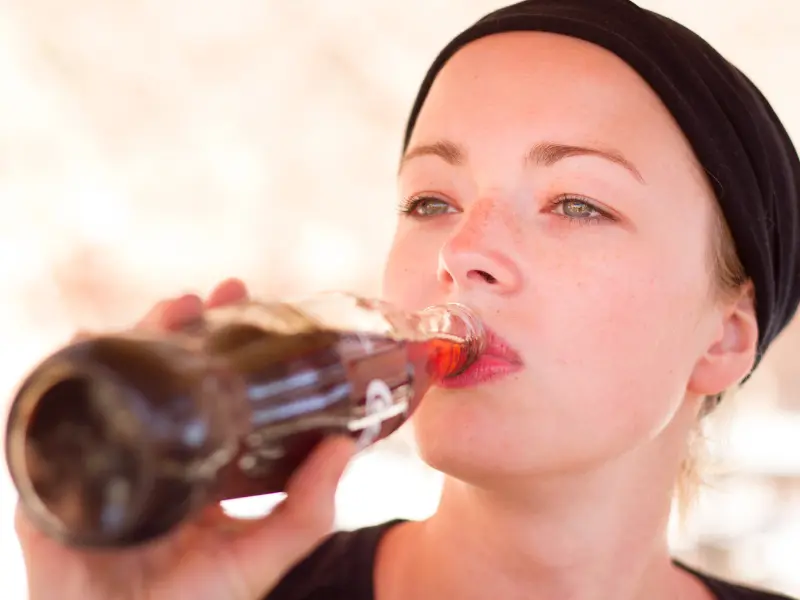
pixel 152 147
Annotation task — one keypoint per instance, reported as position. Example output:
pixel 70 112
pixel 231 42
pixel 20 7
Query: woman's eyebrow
pixel 542 154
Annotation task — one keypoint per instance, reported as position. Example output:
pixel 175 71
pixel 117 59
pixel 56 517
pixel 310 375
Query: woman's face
pixel 548 188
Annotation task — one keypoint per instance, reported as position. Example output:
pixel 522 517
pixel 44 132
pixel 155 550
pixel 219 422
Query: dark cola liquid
pixel 361 385
pixel 115 441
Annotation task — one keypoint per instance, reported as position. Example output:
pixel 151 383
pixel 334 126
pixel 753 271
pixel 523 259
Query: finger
pixel 171 314
pixel 36 553
pixel 153 316
pixel 221 523
pixel 23 527
pixel 80 336
pixel 230 291
pixel 280 540
pixel 32 541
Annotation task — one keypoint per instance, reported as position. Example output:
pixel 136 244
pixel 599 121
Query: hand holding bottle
pixel 212 556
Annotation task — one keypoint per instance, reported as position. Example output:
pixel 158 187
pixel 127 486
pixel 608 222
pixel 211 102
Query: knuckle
pixel 155 315
pixel 310 525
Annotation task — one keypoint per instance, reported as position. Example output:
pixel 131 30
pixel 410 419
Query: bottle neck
pixel 450 322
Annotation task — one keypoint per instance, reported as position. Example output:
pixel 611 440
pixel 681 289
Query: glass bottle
pixel 116 439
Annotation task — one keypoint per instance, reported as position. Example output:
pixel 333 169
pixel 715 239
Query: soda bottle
pixel 116 439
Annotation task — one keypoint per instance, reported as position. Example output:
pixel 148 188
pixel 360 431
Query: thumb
pixel 295 527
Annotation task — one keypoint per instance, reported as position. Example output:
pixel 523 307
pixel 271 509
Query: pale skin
pixel 559 477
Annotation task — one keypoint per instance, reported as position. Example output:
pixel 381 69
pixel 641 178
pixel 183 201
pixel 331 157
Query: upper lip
pixel 497 347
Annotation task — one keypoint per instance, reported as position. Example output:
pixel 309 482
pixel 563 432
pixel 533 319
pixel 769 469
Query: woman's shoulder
pixel 726 590
pixel 340 567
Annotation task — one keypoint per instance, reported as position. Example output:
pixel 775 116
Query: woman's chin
pixel 485 441
pixel 456 441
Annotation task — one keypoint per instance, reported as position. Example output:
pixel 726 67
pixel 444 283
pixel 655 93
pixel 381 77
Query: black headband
pixel 752 164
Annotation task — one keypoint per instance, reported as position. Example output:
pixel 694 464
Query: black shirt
pixel 341 568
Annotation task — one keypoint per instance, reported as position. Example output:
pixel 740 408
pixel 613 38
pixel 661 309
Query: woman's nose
pixel 474 257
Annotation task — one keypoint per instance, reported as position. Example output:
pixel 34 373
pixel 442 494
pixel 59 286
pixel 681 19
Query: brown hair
pixel 728 278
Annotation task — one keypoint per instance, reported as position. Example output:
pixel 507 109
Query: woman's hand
pixel 213 557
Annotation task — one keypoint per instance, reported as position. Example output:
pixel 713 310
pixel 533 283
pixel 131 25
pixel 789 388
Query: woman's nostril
pixel 487 277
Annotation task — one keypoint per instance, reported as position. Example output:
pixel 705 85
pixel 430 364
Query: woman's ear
pixel 732 352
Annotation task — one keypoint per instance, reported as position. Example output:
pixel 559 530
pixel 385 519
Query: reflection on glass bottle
pixel 116 439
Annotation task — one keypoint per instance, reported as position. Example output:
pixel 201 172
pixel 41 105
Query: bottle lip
pixel 475 330
pixel 465 312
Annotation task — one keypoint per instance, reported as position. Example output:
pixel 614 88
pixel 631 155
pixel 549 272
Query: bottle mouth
pixel 76 454
pixel 457 322
pixel 473 328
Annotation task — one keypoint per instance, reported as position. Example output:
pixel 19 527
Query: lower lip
pixel 487 368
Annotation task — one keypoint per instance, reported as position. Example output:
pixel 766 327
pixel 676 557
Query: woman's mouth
pixel 498 360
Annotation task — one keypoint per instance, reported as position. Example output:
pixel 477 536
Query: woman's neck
pixel 593 535
pixel 577 544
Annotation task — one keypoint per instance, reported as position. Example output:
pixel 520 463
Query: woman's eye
pixel 577 209
pixel 426 206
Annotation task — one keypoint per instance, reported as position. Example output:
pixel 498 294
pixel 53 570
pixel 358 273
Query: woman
pixel 621 206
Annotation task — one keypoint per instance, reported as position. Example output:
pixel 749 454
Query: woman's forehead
pixel 547 87
pixel 540 71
